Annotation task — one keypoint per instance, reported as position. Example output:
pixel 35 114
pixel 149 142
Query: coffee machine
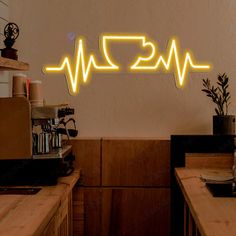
pixel 32 148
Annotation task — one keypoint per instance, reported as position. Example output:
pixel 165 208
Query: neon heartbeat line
pixel 80 72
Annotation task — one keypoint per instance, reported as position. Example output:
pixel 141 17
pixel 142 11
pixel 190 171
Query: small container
pixel 35 93
pixel 27 83
pixel 19 85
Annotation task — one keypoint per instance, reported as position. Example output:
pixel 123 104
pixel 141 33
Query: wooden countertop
pixel 29 214
pixel 213 216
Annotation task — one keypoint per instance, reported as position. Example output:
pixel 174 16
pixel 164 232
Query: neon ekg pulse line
pixel 80 71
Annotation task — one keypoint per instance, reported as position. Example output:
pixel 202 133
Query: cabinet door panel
pixel 135 211
pixel 78 212
pixel 87 154
pixel 135 162
pixel 92 207
pixel 124 212
pixel 50 230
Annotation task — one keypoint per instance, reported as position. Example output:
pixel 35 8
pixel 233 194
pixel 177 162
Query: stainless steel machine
pixel 33 150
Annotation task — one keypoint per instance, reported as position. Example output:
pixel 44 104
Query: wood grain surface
pixel 9 64
pixel 209 160
pixel 213 216
pixel 130 162
pixel 87 153
pixel 134 193
pixel 93 209
pixel 78 212
pixel 30 214
pixel 15 129
pixel 135 211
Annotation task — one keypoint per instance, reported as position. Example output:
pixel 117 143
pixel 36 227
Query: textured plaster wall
pixel 124 104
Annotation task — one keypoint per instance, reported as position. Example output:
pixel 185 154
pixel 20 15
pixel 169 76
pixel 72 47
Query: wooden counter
pixel 212 216
pixel 31 214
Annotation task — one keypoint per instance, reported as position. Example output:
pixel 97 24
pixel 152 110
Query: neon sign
pixel 80 71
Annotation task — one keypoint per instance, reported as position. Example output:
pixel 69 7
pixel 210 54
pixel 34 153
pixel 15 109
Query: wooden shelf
pixel 9 64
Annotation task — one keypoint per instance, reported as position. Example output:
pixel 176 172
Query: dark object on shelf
pixel 29 172
pixel 19 191
pixel 221 189
pixel 69 132
pixel 11 32
pixel 65 112
pixel 224 125
pixel 40 171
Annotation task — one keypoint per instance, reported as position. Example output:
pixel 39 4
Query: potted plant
pixel 223 123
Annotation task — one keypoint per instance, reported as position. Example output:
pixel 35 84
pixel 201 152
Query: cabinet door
pixel 135 211
pixel 50 230
pixel 135 163
pixel 78 212
pixel 123 212
pixel 92 207
pixel 63 218
pixel 61 223
pixel 87 211
pixel 88 153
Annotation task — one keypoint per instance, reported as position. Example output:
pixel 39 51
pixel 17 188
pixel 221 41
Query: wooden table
pixel 31 214
pixel 211 216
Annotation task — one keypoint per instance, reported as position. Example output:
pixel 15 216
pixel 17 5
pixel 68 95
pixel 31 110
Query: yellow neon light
pixel 173 53
pixel 81 68
pixel 80 72
pixel 107 38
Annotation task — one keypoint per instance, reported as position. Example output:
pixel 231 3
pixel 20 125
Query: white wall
pixel 4 76
pixel 124 104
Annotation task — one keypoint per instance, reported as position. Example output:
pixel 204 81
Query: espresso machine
pixel 34 147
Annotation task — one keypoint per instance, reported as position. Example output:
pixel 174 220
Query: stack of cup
pixel 19 88
pixel 35 93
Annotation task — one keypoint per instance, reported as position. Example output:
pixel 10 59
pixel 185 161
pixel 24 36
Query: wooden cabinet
pixel 61 222
pixel 50 228
pixel 182 144
pixel 93 210
pixel 125 185
pixel 125 211
pixel 205 214
pixel 136 201
pixel 135 211
pixel 135 162
pixel 48 212
pixel 88 159
pixel 78 212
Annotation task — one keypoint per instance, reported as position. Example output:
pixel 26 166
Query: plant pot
pixel 224 125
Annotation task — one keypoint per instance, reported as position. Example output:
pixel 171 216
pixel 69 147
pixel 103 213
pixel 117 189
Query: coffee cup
pixel 35 93
pixel 19 85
